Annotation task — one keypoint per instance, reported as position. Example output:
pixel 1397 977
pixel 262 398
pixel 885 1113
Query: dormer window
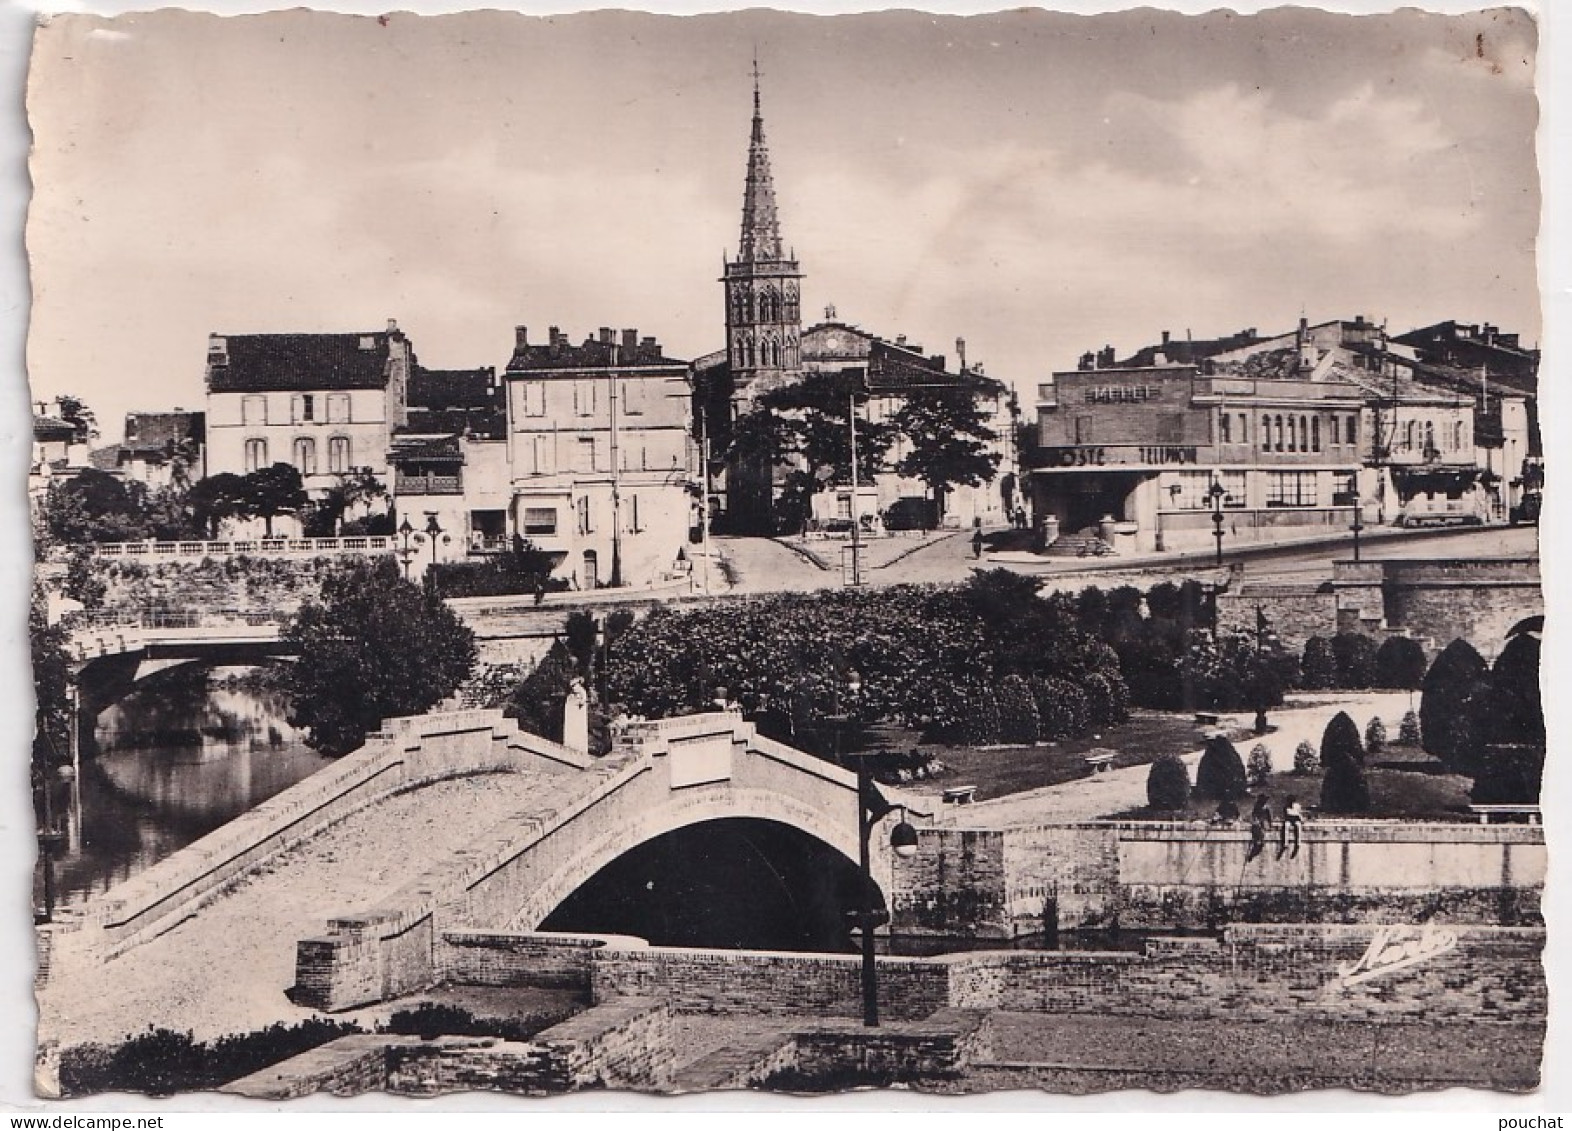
pixel 368 342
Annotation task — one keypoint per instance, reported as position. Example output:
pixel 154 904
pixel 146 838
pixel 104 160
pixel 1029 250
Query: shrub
pixel 1168 783
pixel 435 1019
pixel 1062 708
pixel 1306 761
pixel 1221 774
pixel 1259 768
pixel 1454 689
pixel 1400 663
pixel 1355 656
pixel 1318 670
pixel 982 727
pixel 1408 733
pixel 1375 735
pixel 1018 719
pixel 161 1062
pixel 1343 788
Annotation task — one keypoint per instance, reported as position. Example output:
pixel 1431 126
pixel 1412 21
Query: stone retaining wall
pixel 1000 882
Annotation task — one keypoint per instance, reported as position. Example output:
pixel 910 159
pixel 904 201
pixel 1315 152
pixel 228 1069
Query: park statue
pixel 575 718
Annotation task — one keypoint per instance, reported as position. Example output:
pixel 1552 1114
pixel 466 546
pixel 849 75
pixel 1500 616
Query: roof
pixel 307 362
pixel 453 388
pixel 156 433
pixel 604 352
pixel 892 366
pixel 426 448
pixel 53 428
pixel 105 458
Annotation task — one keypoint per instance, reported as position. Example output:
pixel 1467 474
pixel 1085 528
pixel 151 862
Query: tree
pixel 1375 735
pixel 348 490
pixel 1343 788
pixel 1449 704
pixel 807 426
pixel 1221 774
pixel 95 506
pixel 1400 663
pixel 373 647
pixel 1306 761
pixel 216 498
pixel 1168 783
pixel 272 491
pixel 74 411
pixel 948 437
pixel 1318 671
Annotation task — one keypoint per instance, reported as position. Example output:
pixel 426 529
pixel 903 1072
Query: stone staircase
pixel 1081 544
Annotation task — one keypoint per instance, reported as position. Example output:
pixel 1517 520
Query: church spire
pixel 761 231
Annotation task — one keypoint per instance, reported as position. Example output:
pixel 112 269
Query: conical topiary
pixel 1343 788
pixel 1168 784
pixel 1221 774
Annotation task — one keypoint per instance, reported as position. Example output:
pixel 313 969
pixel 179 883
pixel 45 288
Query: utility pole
pixel 856 531
pixel 616 494
pixel 704 498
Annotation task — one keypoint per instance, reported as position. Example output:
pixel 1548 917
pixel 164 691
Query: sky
pixel 1040 184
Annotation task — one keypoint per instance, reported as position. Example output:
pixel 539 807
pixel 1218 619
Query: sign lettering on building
pixel 1089 456
pixel 1122 394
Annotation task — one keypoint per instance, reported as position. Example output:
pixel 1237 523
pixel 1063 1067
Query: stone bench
pixel 1485 812
pixel 1098 763
pixel 960 795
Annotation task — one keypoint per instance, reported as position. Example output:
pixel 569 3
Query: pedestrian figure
pixel 977 543
pixel 1260 825
pixel 1020 518
pixel 1227 812
pixel 1293 820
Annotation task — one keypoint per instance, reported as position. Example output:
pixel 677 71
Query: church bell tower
pixel 763 313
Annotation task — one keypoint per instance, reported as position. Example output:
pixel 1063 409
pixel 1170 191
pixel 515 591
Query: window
pixel 1410 432
pixel 1430 436
pixel 1244 428
pixel 540 454
pixel 302 408
pixel 584 398
pixel 338 454
pixel 1266 433
pixel 1304 434
pixel 534 398
pixel 256 454
pixel 1291 489
pixel 1315 433
pixel 1352 434
pixel 1194 490
pixel 1278 425
pixel 253 410
pixel 1457 437
pixel 633 513
pixel 586 523
pixel 584 454
pixel 634 396
pixel 1226 434
pixel 338 408
pixel 305 454
pixel 1291 433
pixel 540 520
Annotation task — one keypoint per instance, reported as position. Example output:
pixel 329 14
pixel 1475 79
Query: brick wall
pixel 1261 972
pixel 1296 613
pixel 718 981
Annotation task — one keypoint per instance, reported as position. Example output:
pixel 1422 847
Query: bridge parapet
pixel 663 775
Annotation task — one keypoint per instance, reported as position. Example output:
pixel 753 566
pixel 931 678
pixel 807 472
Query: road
pixel 765 566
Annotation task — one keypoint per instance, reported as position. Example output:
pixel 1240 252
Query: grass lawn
pixel 1000 770
pixel 1404 782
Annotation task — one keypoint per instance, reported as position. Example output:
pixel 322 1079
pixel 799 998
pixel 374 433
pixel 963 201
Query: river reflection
pixel 176 759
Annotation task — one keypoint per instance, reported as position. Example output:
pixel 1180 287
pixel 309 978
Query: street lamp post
pixel 433 531
pixel 1217 496
pixel 1262 635
pixel 406 553
pixel 1359 523
pixel 872 808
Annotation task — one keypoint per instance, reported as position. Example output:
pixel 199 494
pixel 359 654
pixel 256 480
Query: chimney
pixel 1165 337
pixel 392 325
pixel 960 353
pixel 630 343
pixel 556 336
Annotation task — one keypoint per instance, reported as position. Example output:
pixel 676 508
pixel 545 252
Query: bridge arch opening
pixel 732 883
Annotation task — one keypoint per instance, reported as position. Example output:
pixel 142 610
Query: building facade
pixel 1130 456
pixel 600 456
pixel 325 404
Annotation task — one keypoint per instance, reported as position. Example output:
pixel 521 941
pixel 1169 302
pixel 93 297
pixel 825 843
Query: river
pixel 177 758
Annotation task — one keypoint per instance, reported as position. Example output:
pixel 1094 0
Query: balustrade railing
pixel 234 547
